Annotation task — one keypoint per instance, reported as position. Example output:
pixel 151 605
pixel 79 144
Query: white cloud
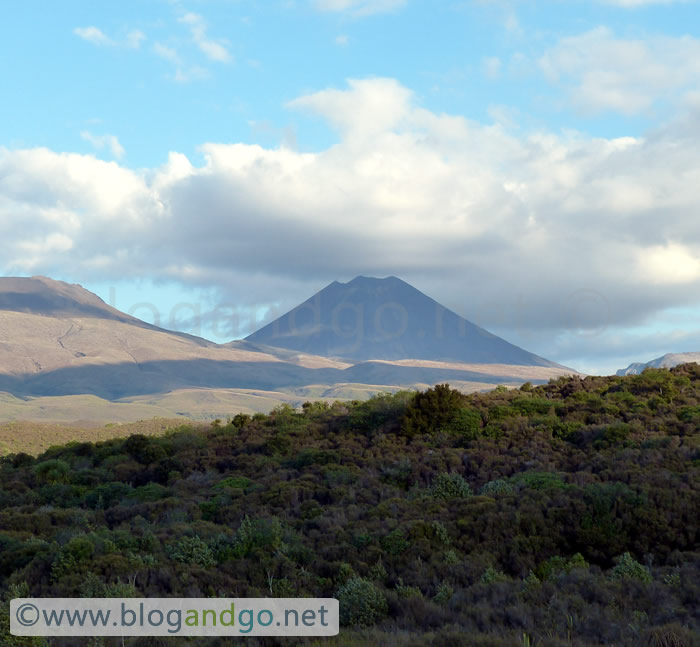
pixel 184 73
pixel 93 35
pixel 134 39
pixel 491 66
pixel 165 52
pixel 602 72
pixel 370 107
pixel 96 36
pixel 100 142
pixel 341 39
pixel 673 263
pixel 360 7
pixel 212 49
pixel 540 233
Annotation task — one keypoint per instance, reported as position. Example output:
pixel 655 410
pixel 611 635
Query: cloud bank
pixel 543 232
pixel 601 72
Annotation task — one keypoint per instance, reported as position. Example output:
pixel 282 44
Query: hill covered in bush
pixel 563 514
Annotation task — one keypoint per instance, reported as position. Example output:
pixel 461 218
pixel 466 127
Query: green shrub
pixel 497 486
pixel 629 568
pixel 406 591
pixel 345 573
pixel 361 602
pixel 440 532
pixel 491 576
pixel 431 411
pixel 398 473
pixel 192 550
pixel 466 423
pixel 143 449
pixel 614 435
pixel 443 594
pixel 540 480
pixel 450 486
pixel 236 482
pixel 255 534
pixel 377 572
pixel 451 557
pixel 240 420
pixel 361 540
pixel 555 566
pixel 395 542
pixel 150 492
pixel 53 471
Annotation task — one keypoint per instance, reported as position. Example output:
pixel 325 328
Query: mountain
pixel 388 319
pixel 65 354
pixel 43 296
pixel 60 339
pixel 669 360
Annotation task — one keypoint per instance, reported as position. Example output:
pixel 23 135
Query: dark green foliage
pixel 499 486
pixel 236 482
pixel 584 530
pixel 361 602
pixel 540 480
pixel 466 424
pixel 52 471
pixel 557 566
pixel 450 486
pixel 629 568
pixel 192 550
pixel 431 411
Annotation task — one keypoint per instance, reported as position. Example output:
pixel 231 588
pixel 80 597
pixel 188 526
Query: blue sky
pixel 533 165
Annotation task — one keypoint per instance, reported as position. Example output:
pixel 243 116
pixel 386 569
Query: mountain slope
pixel 669 360
pixel 58 339
pixel 370 318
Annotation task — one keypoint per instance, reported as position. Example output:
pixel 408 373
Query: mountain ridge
pixel 58 339
pixel 392 320
pixel 669 360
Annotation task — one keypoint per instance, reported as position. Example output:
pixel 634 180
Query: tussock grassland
pixel 36 437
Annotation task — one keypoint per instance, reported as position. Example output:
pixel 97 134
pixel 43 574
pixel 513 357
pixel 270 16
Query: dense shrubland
pixel 563 514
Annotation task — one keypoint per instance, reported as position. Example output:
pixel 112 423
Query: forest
pixel 561 514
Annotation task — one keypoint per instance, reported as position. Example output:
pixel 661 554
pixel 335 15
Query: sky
pixel 207 165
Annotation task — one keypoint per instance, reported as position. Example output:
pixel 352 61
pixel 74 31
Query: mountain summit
pixel 388 319
pixel 40 295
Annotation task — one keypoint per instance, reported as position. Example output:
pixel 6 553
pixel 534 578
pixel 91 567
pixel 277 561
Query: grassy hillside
pixel 36 437
pixel 563 514
pixel 82 411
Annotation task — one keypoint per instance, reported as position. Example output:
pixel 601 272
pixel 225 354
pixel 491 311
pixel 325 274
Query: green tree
pixel 431 411
pixel 361 602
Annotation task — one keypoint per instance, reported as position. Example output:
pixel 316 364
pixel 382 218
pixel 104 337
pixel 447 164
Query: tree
pixel 431 411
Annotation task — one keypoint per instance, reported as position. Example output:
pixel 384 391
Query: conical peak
pixel 385 318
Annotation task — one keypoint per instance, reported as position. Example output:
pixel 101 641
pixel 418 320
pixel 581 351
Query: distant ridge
pixel 44 296
pixel 40 295
pixel 57 339
pixel 388 319
pixel 669 360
